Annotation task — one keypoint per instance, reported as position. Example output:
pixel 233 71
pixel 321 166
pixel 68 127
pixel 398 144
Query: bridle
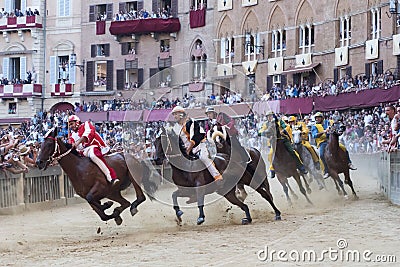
pixel 53 157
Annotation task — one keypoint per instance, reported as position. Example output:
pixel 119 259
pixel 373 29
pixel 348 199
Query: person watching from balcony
pixel 29 12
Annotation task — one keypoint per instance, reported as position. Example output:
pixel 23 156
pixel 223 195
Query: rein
pixel 53 157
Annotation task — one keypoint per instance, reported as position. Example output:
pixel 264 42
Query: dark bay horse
pixel 283 163
pixel 193 178
pixel 254 174
pixel 336 159
pixel 89 181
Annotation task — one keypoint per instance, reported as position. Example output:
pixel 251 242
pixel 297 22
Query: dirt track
pixel 69 236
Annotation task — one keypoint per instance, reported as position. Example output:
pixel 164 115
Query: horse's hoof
pixel 179 213
pixel 118 220
pixel 246 221
pixel 278 218
pixel 308 191
pixel 134 211
pixel 356 197
pixel 200 220
pixel 321 187
pixel 346 197
pixel 108 205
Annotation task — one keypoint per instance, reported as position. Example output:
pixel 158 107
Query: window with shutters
pixel 161 8
pixel 64 8
pixel 252 45
pixel 100 80
pixel 99 12
pixel 278 42
pixel 345 31
pixel 227 49
pixel 12 108
pixel 63 69
pixel 306 38
pixel 128 48
pixel 11 5
pixel 164 45
pixel 14 69
pixel 376 25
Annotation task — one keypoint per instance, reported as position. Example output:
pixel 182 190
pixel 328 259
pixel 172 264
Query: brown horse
pixel 192 178
pixel 89 181
pixel 254 174
pixel 336 159
pixel 283 163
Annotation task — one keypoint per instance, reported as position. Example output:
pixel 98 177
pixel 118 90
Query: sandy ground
pixel 75 236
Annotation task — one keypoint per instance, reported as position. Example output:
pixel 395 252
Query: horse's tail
pixel 150 186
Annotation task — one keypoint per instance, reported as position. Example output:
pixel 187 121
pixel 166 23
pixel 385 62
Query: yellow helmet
pixel 292 119
pixel 319 114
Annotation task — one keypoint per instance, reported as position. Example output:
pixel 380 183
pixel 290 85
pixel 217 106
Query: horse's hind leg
pixel 348 181
pixel 116 196
pixel 97 207
pixel 140 197
pixel 231 197
pixel 336 178
pixel 265 193
pixel 284 184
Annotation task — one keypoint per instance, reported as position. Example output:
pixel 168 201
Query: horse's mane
pixel 73 151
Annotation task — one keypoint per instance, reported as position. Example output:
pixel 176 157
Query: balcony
pixel 144 26
pixel 13 23
pixel 20 90
pixel 62 90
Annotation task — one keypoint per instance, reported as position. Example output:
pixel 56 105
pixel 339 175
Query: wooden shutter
pixel 296 79
pixel 153 80
pixel 89 76
pixel 53 70
pixel 110 75
pixel 109 10
pixel 223 52
pixel 93 51
pixel 23 7
pixel 349 71
pixel 124 48
pixel 122 7
pixel 155 6
pixel 380 67
pixel 72 74
pixel 22 68
pixel 283 81
pixel 367 70
pixel 140 77
pixel 335 75
pixel 270 82
pixel 8 6
pixel 312 78
pixel 92 16
pixel 120 79
pixel 107 50
pixel 140 5
pixel 174 8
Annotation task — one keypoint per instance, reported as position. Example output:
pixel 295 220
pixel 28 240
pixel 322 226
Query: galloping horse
pixel 283 163
pixel 89 181
pixel 255 174
pixel 336 159
pixel 192 178
pixel 307 159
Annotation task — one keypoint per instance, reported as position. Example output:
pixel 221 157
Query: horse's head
pixel 338 128
pixel 47 149
pixel 167 143
pixel 220 137
pixel 296 134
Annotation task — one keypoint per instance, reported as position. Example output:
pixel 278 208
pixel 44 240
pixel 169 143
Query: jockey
pixel 193 137
pixel 223 119
pixel 85 138
pixel 281 127
pixel 304 136
pixel 319 132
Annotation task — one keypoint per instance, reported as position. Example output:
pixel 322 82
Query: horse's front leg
pixel 178 211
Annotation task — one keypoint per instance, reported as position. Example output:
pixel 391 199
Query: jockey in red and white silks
pixel 86 140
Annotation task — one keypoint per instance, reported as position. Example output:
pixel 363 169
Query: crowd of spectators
pixel 141 14
pixel 18 13
pixel 328 87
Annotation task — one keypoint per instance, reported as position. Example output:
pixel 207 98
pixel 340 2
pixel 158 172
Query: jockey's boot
pixel 326 175
pixel 272 172
pixel 303 170
pixel 352 167
pixel 113 182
